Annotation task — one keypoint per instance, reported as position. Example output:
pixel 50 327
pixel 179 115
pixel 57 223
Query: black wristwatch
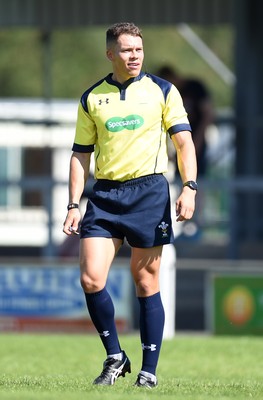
pixel 191 184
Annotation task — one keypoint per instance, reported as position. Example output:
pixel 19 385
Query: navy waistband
pixel 109 184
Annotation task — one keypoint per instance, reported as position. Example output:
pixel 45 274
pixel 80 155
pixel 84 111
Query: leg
pixel 145 264
pixel 96 256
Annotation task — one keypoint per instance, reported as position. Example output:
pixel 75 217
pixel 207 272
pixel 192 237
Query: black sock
pixel 102 313
pixel 151 329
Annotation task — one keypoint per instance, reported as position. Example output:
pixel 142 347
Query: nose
pixel 134 54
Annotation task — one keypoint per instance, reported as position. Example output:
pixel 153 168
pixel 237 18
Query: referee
pixel 125 119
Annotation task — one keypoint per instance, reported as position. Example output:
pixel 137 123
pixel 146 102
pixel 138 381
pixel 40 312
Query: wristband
pixel 72 205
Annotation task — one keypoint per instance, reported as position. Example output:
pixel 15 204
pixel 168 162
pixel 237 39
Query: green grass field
pixel 191 367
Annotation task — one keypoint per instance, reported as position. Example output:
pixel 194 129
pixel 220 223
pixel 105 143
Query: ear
pixel 109 55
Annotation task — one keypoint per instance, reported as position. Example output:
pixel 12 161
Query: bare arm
pixel 78 175
pixel 186 157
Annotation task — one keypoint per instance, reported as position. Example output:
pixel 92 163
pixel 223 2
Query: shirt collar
pixel 126 83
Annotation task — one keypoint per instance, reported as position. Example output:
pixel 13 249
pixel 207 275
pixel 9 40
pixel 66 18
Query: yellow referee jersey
pixel 126 125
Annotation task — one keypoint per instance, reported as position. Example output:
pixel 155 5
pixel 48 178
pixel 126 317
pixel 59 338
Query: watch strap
pixel 72 205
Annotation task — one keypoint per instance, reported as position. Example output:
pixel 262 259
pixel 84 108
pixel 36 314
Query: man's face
pixel 126 57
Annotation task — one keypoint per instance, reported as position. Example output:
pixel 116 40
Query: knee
pixel 146 287
pixel 89 285
pixel 143 289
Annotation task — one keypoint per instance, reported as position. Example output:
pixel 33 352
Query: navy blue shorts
pixel 138 210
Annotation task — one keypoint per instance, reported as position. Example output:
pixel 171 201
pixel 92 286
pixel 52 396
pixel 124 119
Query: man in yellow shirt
pixel 125 119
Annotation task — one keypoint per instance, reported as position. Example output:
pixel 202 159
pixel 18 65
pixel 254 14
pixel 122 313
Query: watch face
pixel 192 185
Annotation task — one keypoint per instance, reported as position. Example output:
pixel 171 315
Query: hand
pixel 185 204
pixel 72 222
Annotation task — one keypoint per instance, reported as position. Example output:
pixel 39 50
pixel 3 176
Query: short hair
pixel 121 28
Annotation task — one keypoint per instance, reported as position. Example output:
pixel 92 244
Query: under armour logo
pixel 152 347
pixel 105 333
pixel 104 101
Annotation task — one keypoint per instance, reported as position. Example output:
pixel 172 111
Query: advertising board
pixel 49 297
pixel 238 304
